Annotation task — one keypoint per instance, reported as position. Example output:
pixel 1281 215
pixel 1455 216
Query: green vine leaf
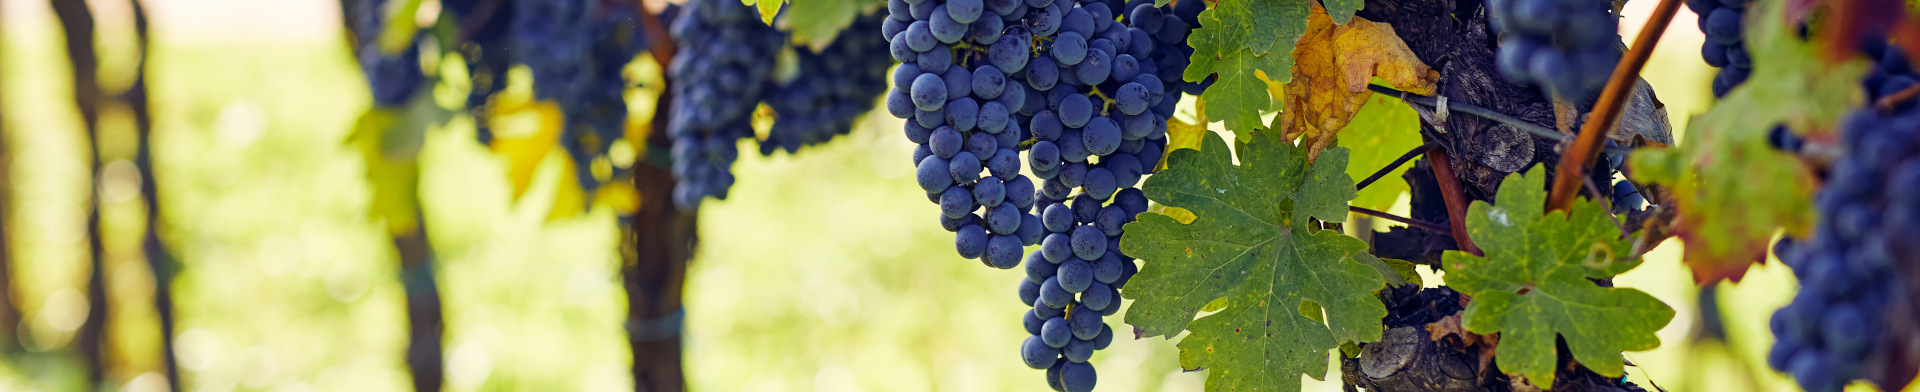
pixel 1380 132
pixel 1342 10
pixel 1533 285
pixel 768 9
pixel 815 23
pixel 1734 190
pixel 1237 38
pixel 1251 243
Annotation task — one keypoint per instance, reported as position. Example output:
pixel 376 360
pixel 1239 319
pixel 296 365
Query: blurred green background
pixel 824 271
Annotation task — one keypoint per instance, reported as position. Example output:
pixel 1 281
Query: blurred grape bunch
pixel 576 50
pixel 830 88
pixel 725 62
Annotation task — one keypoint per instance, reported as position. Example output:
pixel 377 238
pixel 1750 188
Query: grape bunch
pixel 1175 20
pixel 487 57
pixel 955 85
pixel 720 74
pixel 1099 123
pixel 1566 47
pixel 830 89
pixel 393 77
pixel 1836 329
pixel 1723 22
pixel 575 50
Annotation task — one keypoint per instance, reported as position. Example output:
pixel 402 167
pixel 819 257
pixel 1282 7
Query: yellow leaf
pixel 1333 65
pixel 525 134
pixel 769 9
pixel 1177 213
pixel 395 192
pixel 619 196
pixel 1276 90
pixel 568 198
pixel 1181 134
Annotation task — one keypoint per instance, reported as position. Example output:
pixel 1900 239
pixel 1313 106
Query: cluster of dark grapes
pixel 723 69
pixel 487 56
pixel 954 83
pixel 1080 87
pixel 1103 127
pixel 726 68
pixel 393 77
pixel 1722 21
pixel 1170 57
pixel 1566 47
pixel 575 50
pixel 830 89
pixel 1849 270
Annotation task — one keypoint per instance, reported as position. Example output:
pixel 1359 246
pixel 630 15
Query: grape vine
pixel 1050 124
pixel 1837 329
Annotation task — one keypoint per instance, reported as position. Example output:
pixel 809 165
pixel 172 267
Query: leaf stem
pixel 1606 112
pixel 1608 199
pixel 659 42
pixel 1455 198
pixel 1422 149
pixel 1435 227
pixel 1490 114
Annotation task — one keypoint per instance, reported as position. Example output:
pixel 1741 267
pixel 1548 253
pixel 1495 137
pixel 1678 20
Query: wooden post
pixel 160 261
pixel 656 246
pixel 76 20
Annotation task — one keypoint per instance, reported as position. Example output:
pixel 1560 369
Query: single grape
pixel 971 241
pixel 1037 353
pixel 1056 247
pixel 1052 296
pixel 1088 242
pixel 1075 275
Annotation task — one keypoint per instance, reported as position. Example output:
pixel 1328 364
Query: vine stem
pixel 1422 149
pixel 1436 227
pixel 1490 114
pixel 658 42
pixel 1606 112
pixel 1456 199
pixel 657 242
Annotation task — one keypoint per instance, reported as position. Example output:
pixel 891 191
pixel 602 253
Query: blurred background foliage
pixel 822 272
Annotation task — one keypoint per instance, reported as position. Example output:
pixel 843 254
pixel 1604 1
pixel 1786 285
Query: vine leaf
pixel 1237 38
pixel 1380 132
pixel 525 132
pixel 1342 10
pixel 768 8
pixel 1332 67
pixel 1251 243
pixel 1732 189
pixel 1533 285
pixel 815 23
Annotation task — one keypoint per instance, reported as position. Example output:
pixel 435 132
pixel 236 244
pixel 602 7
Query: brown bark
pixel 423 308
pixel 76 20
pixel 160 260
pixel 656 246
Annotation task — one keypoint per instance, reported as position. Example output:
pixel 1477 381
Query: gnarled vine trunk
pixel 1475 154
pixel 656 245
